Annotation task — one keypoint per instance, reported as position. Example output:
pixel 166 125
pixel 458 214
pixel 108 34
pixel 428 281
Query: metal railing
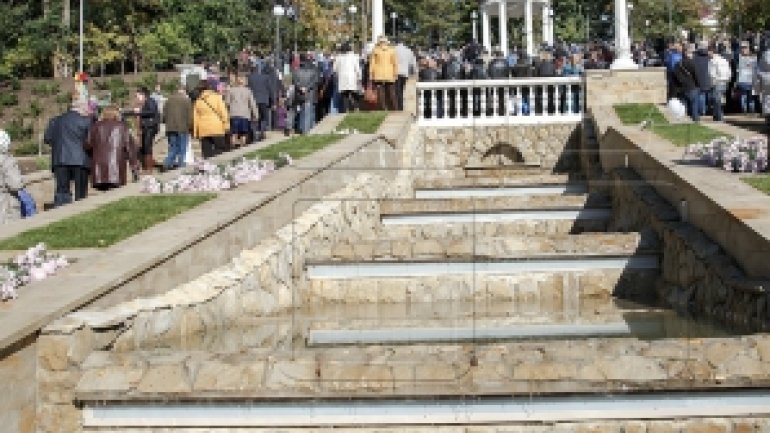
pixel 500 102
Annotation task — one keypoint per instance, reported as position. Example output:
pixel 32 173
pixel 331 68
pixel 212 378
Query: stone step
pixel 475 229
pixel 559 246
pixel 577 213
pixel 553 286
pixel 442 414
pixel 541 367
pixel 481 204
pixel 508 190
pixel 542 178
pixel 503 172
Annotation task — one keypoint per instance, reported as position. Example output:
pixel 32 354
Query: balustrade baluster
pixel 421 104
pixel 434 104
pixel 483 102
pixel 556 101
pixel 458 103
pixel 568 100
pixel 445 105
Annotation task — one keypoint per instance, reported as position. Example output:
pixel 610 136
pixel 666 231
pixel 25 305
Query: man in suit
pixel 66 134
pixel 263 85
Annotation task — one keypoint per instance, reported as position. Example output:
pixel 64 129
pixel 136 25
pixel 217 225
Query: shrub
pixel 8 99
pixel 101 85
pixel 34 110
pixel 63 98
pixel 43 89
pixel 15 83
pixel 25 148
pixel 149 81
pixel 18 130
pixel 169 86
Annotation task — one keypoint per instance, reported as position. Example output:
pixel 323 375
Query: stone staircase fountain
pixel 466 297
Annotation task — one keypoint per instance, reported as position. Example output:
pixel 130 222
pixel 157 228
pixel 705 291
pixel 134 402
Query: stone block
pixel 219 376
pixel 165 379
pixel 112 378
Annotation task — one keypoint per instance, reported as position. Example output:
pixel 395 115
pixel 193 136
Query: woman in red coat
pixel 111 146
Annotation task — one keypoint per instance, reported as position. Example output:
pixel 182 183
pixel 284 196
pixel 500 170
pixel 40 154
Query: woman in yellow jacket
pixel 383 71
pixel 210 121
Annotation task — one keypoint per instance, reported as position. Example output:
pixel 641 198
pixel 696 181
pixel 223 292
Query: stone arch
pixel 503 154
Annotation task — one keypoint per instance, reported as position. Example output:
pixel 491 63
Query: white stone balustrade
pixel 500 101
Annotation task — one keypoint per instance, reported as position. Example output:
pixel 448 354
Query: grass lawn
pixel 107 224
pixel 681 134
pixel 297 147
pixel 365 122
pixel 634 114
pixel 761 182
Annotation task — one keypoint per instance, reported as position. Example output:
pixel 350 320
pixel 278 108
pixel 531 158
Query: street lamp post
pixel 80 40
pixel 393 17
pixel 670 19
pixel 278 11
pixel 353 9
pixel 474 18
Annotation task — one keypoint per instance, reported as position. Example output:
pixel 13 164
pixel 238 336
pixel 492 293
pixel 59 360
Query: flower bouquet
pixel 36 264
pixel 741 155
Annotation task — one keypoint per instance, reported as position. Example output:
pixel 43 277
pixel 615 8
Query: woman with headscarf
pixel 211 122
pixel 111 146
pixel 10 182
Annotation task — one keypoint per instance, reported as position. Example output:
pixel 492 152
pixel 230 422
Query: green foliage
pixel 43 163
pixel 25 148
pixel 8 99
pixel 18 129
pixel 118 89
pixel 34 110
pixel 108 224
pixel 149 81
pixel 682 134
pixel 63 98
pixel 169 86
pixel 40 89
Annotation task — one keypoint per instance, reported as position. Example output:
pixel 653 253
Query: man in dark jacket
pixel 306 80
pixel 263 88
pixel 686 79
pixel 149 122
pixel 701 60
pixel 498 67
pixel 177 115
pixel 66 134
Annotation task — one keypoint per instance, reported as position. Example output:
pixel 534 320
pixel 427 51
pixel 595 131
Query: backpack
pixel 27 202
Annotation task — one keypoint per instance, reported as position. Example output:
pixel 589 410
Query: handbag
pixel 27 203
pixel 370 95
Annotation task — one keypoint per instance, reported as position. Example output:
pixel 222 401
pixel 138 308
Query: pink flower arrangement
pixel 741 155
pixel 35 264
pixel 208 177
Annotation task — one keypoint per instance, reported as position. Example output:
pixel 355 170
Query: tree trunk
pixel 66 14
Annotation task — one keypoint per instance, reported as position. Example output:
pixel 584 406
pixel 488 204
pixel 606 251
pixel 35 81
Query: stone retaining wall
pixel 259 281
pixel 697 275
pixel 553 146
pixel 609 87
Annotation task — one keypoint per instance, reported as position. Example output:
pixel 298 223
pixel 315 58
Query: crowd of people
pixel 223 106
pixel 714 75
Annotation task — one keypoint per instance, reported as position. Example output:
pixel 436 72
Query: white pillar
pixel 623 58
pixel 551 19
pixel 485 35
pixel 528 27
pixel 503 16
pixel 378 20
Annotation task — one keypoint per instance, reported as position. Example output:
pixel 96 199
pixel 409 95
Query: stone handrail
pixel 500 101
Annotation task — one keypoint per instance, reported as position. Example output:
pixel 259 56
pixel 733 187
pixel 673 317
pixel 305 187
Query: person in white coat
pixel 720 73
pixel 347 69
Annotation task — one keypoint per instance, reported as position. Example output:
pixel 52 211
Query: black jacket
pixel 150 115
pixel 498 68
pixel 453 70
pixel 546 68
pixel 262 87
pixel 66 134
pixel 307 77
pixel 701 61
pixel 429 74
pixel 686 75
